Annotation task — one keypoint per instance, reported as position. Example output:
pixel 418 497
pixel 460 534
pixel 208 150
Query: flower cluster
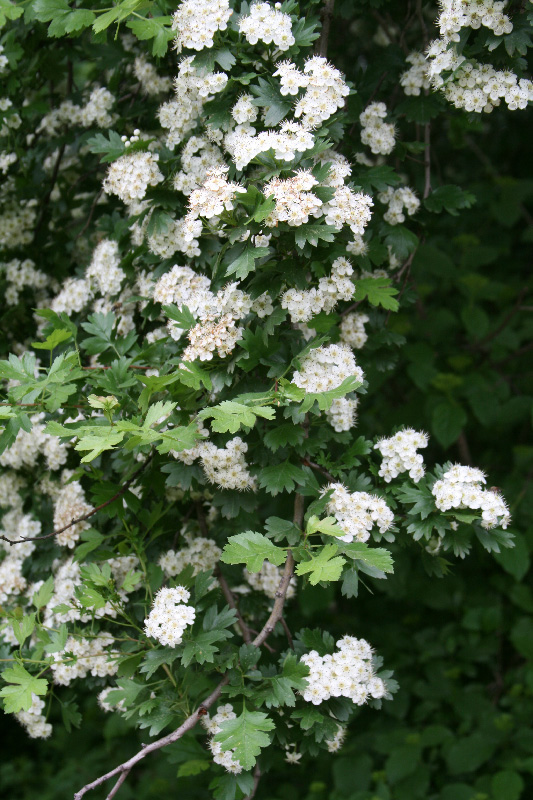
pixel 376 133
pixel 325 89
pixel 335 743
pixel 341 415
pixel 197 21
pixel 349 208
pixel 399 454
pixel 226 758
pixel 244 110
pixel 193 87
pixel 303 304
pixel 326 367
pixel 29 445
pixel 416 77
pixel 214 333
pixel 295 202
pixel 198 156
pixel 146 74
pixel 96 111
pixel 21 275
pixel 104 273
pixel 358 512
pixel 70 504
pixel 460 487
pixel 81 656
pixel 352 329
pixel 169 616
pixel 270 25
pixel 181 234
pixel 201 554
pixel 130 176
pixel 17 224
pixel 348 672
pixel 227 466
pixel 6 159
pixel 243 145
pixel 267 581
pixel 215 195
pixel 458 14
pixel 33 720
pixel 398 200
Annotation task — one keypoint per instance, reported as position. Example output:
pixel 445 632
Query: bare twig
pixel 121 491
pixel 464 449
pixel 427 160
pixel 230 600
pixel 287 632
pixel 318 468
pixel 117 785
pixel 91 212
pixel 321 47
pixel 503 324
pixel 257 778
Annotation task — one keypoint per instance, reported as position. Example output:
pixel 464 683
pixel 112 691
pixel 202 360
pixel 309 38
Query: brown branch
pixel 288 633
pixel 191 721
pixel 321 47
pixel 257 778
pixel 121 491
pixel 46 198
pixel 91 212
pixel 464 449
pixel 318 468
pixel 117 785
pixel 427 160
pixel 506 320
pixel 230 600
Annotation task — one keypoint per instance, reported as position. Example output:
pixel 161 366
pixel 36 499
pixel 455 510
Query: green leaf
pixel 268 96
pixel 201 648
pixel 328 525
pixel 99 440
pixel 42 596
pixel 379 178
pixel 157 28
pixel 252 548
pixel 229 416
pixel 244 263
pixel 281 477
pixel 424 502
pixel 51 341
pixel 507 785
pixel 449 198
pixel 193 767
pixel 378 291
pixel 111 148
pixel 376 557
pixel 9 11
pixel 17 697
pixel 313 232
pixel 23 628
pixel 246 736
pixel 447 422
pixel 283 435
pixel 421 109
pixel 326 566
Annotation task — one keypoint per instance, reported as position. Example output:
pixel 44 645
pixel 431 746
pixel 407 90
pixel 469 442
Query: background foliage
pixel 454 360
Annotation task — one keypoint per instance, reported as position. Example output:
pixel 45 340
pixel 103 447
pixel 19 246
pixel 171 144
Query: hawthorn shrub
pixel 266 387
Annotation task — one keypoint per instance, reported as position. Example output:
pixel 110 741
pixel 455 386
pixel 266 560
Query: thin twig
pixel 506 320
pixel 117 785
pixel 257 778
pixel 321 47
pixel 464 449
pixel 91 212
pixel 427 160
pixel 318 468
pixel 121 491
pixel 287 632
pixel 230 600
pixel 191 721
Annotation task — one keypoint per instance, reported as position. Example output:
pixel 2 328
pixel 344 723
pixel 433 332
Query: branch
pixel 117 785
pixel 321 47
pixel 230 600
pixel 121 491
pixel 257 778
pixel 427 160
pixel 288 633
pixel 506 320
pixel 190 722
pixel 318 468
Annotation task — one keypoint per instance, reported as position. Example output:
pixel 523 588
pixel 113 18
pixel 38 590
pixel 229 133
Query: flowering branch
pixel 191 721
pixel 91 513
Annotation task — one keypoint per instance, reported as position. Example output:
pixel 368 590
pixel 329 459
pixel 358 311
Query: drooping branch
pixel 191 721
pixel 230 600
pixel 124 488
